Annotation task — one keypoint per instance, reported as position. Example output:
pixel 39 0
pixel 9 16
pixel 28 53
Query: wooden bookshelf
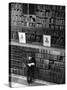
pixel 41 20
pixel 46 61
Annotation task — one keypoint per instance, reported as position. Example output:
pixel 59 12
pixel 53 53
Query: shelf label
pixel 47 40
pixel 22 37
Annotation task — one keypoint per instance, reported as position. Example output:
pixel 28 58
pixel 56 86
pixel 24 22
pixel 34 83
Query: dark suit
pixel 30 70
pixel 33 67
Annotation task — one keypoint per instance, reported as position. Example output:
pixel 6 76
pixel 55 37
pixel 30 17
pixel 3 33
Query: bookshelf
pixel 41 20
pixel 45 19
pixel 49 66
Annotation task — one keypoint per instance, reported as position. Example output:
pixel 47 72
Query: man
pixel 30 69
pixel 33 67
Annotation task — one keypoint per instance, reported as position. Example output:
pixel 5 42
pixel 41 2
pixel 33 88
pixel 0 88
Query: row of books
pixel 38 25
pixel 51 76
pixel 18 72
pixel 16 6
pixel 15 13
pixel 38 6
pixel 18 17
pixel 56 66
pixel 41 31
pixel 21 50
pixel 49 14
pixel 42 66
pixel 21 56
pixel 41 60
pixel 54 33
pixel 39 53
pixel 21 53
pixel 34 38
pixel 50 7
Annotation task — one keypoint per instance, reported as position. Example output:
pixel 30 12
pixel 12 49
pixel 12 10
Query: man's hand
pixel 32 63
pixel 29 64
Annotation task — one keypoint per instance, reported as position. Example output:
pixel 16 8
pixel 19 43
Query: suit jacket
pixel 31 67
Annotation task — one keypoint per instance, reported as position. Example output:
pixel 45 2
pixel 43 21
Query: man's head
pixel 29 57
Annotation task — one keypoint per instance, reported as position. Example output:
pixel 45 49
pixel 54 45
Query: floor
pixel 21 81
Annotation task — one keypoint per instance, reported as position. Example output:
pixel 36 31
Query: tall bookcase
pixel 37 20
